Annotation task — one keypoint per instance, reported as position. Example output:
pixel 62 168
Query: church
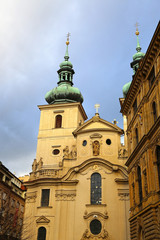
pixel 78 188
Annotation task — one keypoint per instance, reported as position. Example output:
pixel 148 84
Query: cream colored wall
pixel 67 216
pixel 49 137
pixel 108 152
pixel 70 199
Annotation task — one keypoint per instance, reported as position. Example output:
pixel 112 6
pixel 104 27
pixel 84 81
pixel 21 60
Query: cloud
pixel 32 44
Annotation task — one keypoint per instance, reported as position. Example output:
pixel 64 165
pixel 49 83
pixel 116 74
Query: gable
pixel 97 124
pixel 42 219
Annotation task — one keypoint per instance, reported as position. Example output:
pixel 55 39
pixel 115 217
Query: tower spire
pixel 64 92
pixel 66 57
pixel 138 48
pixel 138 55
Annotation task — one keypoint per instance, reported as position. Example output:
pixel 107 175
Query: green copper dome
pixel 135 64
pixel 64 92
pixel 137 56
pixel 126 88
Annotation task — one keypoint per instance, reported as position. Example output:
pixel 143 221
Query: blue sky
pixel 32 44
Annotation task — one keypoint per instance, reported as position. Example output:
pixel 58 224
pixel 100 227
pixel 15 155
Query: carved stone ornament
pixel 96 135
pixel 43 220
pixel 122 153
pixel 34 165
pixel 123 194
pixel 70 154
pixel 88 235
pixel 96 148
pixel 66 152
pixel 40 164
pixel 65 195
pixel 31 197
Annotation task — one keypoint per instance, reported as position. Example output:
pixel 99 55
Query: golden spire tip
pixel 68 35
pixel 137 32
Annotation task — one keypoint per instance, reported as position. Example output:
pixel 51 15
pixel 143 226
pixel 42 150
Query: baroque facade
pixel 78 187
pixel 12 201
pixel 141 106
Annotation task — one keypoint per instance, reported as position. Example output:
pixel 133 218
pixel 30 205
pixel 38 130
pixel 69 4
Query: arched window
pixel 154 111
pixel 58 123
pixel 136 136
pixel 158 161
pixel 96 189
pixel 41 233
pixel 139 183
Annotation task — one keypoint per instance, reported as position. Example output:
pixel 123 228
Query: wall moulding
pixel 65 195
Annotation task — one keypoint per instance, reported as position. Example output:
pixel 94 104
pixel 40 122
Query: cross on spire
pixel 96 107
pixel 68 35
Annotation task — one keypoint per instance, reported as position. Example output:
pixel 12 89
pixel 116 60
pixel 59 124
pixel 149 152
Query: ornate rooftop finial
pixel 68 35
pixel 96 107
pixel 137 32
pixel 66 57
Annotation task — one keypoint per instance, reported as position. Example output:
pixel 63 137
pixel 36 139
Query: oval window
pixel 56 151
pixel 108 141
pixel 84 143
pixel 95 226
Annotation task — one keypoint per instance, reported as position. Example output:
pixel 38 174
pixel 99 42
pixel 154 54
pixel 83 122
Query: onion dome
pixel 135 64
pixel 138 55
pixel 126 88
pixel 64 92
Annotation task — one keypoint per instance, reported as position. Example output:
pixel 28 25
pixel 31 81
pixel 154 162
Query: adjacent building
pixel 12 200
pixel 141 106
pixel 78 187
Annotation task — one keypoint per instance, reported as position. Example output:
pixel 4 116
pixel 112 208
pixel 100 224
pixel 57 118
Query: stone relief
pixel 96 148
pixel 88 235
pixel 122 152
pixel 70 154
pixel 31 197
pixel 65 195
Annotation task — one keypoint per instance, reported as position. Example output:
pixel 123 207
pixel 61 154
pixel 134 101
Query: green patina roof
pixel 64 92
pixel 135 64
pixel 138 55
pixel 126 88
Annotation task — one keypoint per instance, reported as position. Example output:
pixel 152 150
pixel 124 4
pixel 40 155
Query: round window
pixel 95 226
pixel 84 143
pixel 108 141
pixel 56 151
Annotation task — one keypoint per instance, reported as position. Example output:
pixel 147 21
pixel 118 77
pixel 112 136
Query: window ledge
pixel 96 205
pixel 44 207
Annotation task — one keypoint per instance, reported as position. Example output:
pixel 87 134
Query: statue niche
pixel 96 148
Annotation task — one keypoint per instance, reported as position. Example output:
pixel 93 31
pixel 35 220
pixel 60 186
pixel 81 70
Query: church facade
pixel 141 106
pixel 78 187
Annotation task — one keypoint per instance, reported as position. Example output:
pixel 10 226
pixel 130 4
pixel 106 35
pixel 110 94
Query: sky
pixel 32 45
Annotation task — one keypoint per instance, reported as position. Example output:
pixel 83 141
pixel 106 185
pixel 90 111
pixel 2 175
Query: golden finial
pixel 137 32
pixel 68 35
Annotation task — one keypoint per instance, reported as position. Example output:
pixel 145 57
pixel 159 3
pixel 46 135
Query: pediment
pixel 42 219
pixel 97 124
